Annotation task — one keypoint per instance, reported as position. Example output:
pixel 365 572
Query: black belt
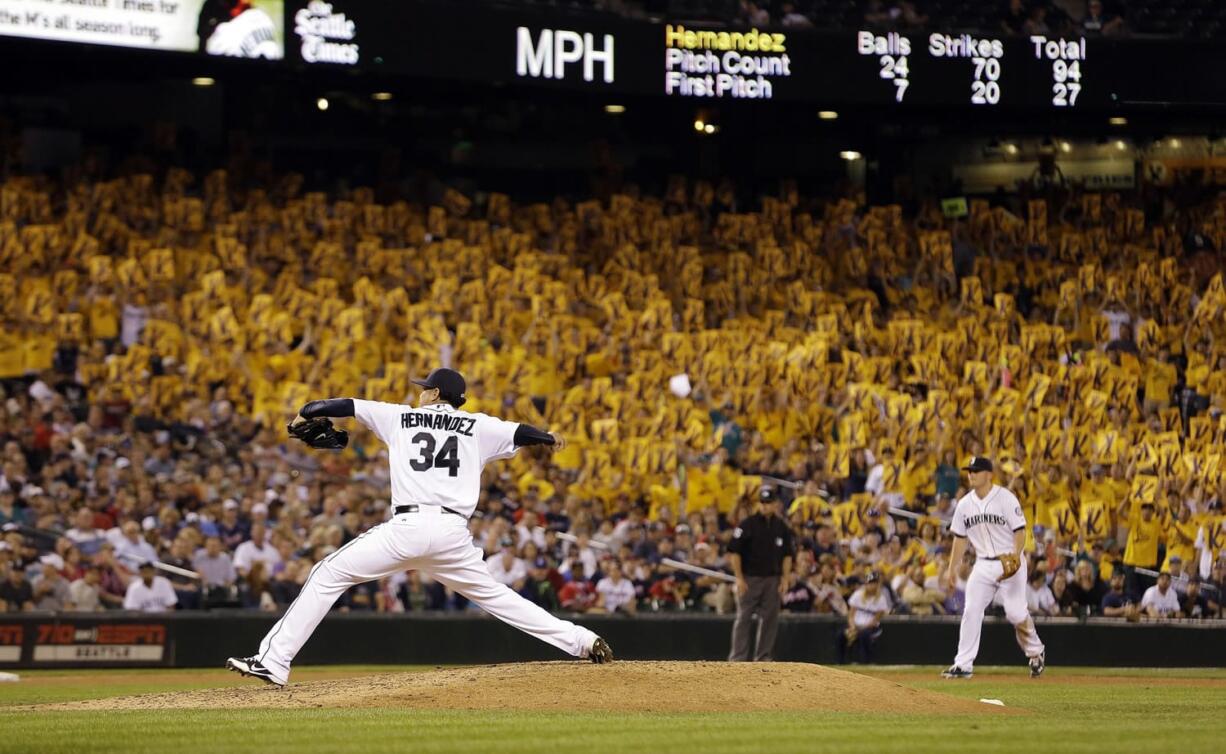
pixel 412 508
pixel 997 557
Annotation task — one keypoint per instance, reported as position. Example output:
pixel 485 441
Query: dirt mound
pixel 554 686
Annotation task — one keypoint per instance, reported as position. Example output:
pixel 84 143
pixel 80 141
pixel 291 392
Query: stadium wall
pixel 180 640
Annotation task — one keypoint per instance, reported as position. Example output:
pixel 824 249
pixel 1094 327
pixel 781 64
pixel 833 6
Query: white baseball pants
pixel 429 540
pixel 981 588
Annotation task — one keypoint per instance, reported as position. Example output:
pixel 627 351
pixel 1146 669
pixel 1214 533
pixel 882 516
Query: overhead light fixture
pixel 203 81
pixel 827 115
pixel 381 96
pixel 850 155
pixel 698 124
pixel 615 109
pixel 709 128
pixel 322 103
pixel 1117 120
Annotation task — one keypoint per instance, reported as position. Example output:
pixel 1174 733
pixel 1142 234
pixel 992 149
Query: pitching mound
pixel 556 686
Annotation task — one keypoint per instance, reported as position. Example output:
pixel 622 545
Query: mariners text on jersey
pixel 457 424
pixel 986 518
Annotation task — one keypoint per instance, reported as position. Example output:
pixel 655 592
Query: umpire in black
pixel 761 552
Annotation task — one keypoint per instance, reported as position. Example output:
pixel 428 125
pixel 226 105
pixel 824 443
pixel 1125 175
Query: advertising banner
pixel 80 641
pixel 232 28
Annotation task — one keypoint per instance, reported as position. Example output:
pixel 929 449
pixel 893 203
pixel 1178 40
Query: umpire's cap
pixel 450 385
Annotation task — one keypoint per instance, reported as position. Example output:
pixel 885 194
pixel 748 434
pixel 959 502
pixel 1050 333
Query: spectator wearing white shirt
pixel 865 609
pixel 1161 600
pixel 1118 317
pixel 876 482
pixel 508 569
pixel 131 549
pixel 215 567
pixel 606 536
pixel 150 593
pixel 1179 577
pixel 582 551
pixel 135 317
pixel 83 534
pixel 868 604
pixel 257 548
pixel 1039 599
pixel 615 592
pixel 529 530
pixel 85 593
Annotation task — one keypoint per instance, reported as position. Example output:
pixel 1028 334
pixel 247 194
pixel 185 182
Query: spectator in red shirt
pixel 578 594
pixel 112 579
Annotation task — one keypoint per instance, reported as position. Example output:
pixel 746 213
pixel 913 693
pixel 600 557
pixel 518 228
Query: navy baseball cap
pixel 979 463
pixel 449 383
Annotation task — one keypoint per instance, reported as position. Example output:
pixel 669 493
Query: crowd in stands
pixel 159 331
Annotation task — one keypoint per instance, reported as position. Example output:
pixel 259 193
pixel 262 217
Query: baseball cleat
pixel 600 652
pixel 1037 664
pixel 956 672
pixel 249 666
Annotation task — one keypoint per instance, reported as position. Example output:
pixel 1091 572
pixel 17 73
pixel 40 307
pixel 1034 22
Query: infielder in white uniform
pixel 436 453
pixel 991 518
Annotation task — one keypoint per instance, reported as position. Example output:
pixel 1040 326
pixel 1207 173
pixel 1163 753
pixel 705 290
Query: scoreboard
pixel 956 68
pixel 982 71
pixel 595 53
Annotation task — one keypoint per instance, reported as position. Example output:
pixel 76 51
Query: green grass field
pixel 1069 710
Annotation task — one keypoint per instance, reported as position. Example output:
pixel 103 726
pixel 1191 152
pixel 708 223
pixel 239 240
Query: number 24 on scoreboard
pixel 897 70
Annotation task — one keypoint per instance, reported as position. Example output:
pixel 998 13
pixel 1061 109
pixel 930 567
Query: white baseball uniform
pixel 989 523
pixel 436 454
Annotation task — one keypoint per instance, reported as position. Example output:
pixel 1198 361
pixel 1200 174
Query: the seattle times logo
pixel 325 34
pixel 553 49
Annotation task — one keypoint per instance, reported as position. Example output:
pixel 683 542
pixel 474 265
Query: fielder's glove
pixel 1009 563
pixel 319 433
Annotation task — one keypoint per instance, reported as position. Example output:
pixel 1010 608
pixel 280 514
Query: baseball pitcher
pixel 436 453
pixel 991 518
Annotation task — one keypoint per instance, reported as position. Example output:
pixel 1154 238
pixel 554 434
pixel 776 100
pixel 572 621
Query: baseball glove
pixel 1009 564
pixel 319 433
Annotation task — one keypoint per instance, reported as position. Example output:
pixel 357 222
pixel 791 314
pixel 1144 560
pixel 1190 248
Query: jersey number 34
pixel 447 457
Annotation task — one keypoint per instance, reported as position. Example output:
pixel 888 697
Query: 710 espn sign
pixel 548 55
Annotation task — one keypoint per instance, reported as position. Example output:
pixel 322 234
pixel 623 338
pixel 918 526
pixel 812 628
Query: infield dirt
pixel 557 686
